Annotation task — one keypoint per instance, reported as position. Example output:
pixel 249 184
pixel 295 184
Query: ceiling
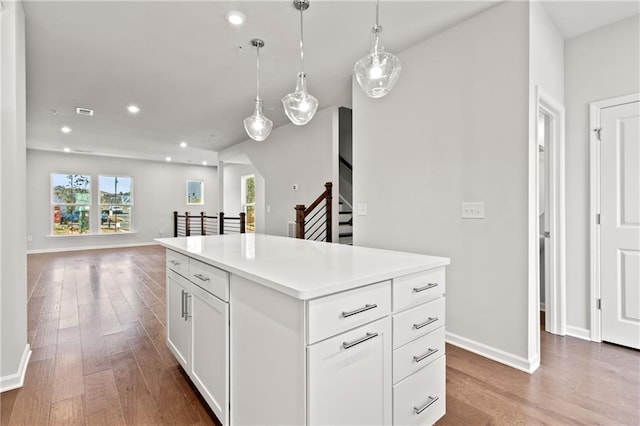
pixel 193 74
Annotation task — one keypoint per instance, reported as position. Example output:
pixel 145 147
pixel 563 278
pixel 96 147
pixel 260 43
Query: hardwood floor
pixel 96 324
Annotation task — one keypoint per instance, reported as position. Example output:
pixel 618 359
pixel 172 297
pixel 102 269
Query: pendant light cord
pixel 301 40
pixel 258 73
pixel 377 12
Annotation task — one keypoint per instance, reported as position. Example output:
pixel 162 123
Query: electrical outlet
pixel 473 210
pixel 161 232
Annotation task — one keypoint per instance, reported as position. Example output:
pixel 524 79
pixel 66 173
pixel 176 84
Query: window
pixel 71 202
pixel 115 204
pixel 248 194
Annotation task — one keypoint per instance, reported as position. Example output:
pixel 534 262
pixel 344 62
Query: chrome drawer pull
pixel 426 287
pixel 186 307
pixel 182 307
pixel 202 277
pixel 360 310
pixel 427 355
pixel 369 336
pixel 174 263
pixel 430 320
pixel 432 399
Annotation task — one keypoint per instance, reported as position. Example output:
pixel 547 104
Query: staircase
pixel 345 231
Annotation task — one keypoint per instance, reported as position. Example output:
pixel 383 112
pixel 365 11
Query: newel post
pixel 221 223
pixel 328 211
pixel 300 220
pixel 203 228
pixel 187 224
pixel 175 224
pixel 243 223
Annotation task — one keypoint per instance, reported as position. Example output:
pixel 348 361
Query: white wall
pixel 14 350
pixel 456 128
pixel 600 64
pixel 159 189
pixel 304 155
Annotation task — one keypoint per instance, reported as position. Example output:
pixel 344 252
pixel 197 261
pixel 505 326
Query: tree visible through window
pixel 71 202
pixel 115 204
pixel 248 194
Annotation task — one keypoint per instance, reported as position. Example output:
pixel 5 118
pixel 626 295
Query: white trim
pixel 594 208
pixel 498 355
pixel 543 307
pixel 79 248
pixel 555 157
pixel 16 380
pixel 578 332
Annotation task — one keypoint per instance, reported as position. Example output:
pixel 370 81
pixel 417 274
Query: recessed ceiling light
pixel 67 149
pixel 65 129
pixel 236 18
pixel 183 144
pixel 204 163
pixel 133 109
pixel 168 159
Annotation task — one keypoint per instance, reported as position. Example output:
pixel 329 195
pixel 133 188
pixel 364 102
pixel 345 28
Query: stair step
pixel 345 212
pixel 345 234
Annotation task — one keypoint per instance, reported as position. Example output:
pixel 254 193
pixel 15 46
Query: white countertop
pixel 300 268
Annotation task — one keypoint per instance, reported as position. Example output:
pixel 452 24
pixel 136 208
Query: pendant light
pixel 258 126
pixel 378 71
pixel 300 106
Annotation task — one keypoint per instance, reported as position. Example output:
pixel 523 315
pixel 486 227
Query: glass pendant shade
pixel 300 106
pixel 258 126
pixel 378 71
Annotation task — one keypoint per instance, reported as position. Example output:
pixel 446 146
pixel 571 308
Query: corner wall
pixel 601 64
pixel 454 129
pixel 14 349
pixel 159 189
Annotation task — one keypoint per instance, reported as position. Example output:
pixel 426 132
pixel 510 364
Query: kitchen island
pixel 276 330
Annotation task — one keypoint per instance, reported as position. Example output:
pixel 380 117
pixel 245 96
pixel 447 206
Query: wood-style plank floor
pixel 96 324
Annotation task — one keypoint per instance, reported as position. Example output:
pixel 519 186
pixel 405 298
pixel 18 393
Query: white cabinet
pixel 210 350
pixel 178 324
pixel 350 377
pixel 198 327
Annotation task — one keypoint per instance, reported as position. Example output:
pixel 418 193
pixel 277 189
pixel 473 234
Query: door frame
pixel 555 297
pixel 594 205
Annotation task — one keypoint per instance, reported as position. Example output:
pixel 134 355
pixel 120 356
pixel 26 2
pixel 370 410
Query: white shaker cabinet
pixel 178 325
pixel 350 377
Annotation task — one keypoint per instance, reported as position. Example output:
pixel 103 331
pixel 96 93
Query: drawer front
pixel 418 321
pixel 421 398
pixel 417 288
pixel 210 278
pixel 328 316
pixel 417 354
pixel 178 262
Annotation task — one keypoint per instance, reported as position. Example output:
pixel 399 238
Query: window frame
pixel 129 205
pixel 245 204
pixel 75 205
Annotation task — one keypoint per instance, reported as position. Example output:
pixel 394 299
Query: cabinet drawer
pixel 328 316
pixel 417 288
pixel 417 354
pixel 178 262
pixel 350 377
pixel 418 321
pixel 210 278
pixel 420 399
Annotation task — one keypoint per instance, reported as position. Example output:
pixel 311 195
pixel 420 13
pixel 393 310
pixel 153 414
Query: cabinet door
pixel 350 377
pixel 210 350
pixel 178 324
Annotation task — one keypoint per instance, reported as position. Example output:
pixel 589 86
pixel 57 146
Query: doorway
pixel 550 211
pixel 615 221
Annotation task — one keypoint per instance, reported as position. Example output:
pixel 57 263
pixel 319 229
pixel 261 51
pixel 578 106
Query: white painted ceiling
pixel 193 74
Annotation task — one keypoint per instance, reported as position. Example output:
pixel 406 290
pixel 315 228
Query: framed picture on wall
pixel 195 192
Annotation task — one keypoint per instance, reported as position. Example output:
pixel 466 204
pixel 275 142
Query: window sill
pixel 105 234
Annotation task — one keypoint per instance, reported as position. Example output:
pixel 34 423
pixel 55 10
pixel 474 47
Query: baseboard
pixel 498 355
pixel 82 248
pixel 16 380
pixel 579 332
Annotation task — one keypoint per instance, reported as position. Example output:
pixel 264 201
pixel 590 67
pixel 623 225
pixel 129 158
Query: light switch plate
pixel 362 209
pixel 473 210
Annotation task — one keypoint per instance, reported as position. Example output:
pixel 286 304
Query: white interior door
pixel 620 224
